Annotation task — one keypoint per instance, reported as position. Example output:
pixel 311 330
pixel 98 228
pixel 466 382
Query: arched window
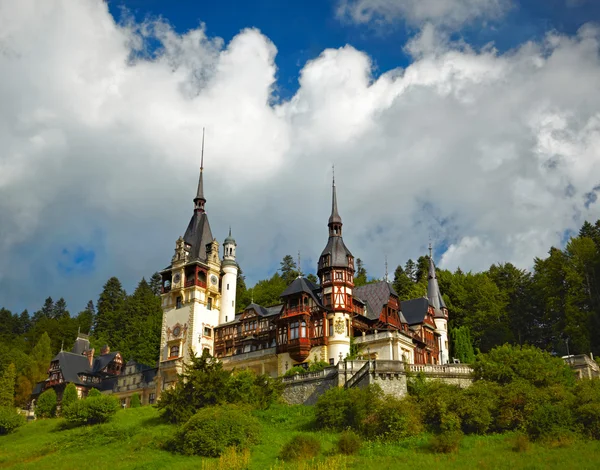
pixel 174 352
pixel 303 329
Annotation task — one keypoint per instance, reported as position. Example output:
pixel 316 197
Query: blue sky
pixel 493 154
pixel 301 30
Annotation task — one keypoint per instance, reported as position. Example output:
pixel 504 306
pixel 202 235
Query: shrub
pixel 94 392
pixel 446 442
pixel 295 371
pixel 210 432
pixel 340 409
pixel 438 406
pixel 10 420
pixel 45 406
pixel 69 395
pixel 300 447
pixel 349 443
pixel 550 421
pixel 505 364
pixel 516 401
pixel 393 419
pixel 134 401
pixel 477 407
pixel 92 410
pixel 587 407
pixel 317 366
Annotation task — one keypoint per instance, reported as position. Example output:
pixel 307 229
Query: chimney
pixel 90 355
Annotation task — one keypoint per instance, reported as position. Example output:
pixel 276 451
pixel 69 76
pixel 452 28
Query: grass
pixel 133 440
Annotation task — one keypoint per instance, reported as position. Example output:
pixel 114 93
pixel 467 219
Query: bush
pixel 10 420
pixel 587 408
pixel 507 363
pixel 393 419
pixel 349 443
pixel 92 410
pixel 477 407
pixel 301 447
pixel 340 409
pixel 134 401
pixel 211 431
pixel 69 395
pixel 295 371
pixel 94 392
pixel 439 405
pixel 45 406
pixel 516 401
pixel 550 421
pixel 446 442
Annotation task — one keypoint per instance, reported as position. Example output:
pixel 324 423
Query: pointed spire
pixel 299 266
pixel 386 269
pixel 199 200
pixel 433 289
pixel 335 221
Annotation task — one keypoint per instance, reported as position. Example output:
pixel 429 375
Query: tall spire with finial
pixel 199 200
pixel 335 221
pixel 386 270
pixel 299 265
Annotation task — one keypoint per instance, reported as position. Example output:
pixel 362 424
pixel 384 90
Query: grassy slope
pixel 132 440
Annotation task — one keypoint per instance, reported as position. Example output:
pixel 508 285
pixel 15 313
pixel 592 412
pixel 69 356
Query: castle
pixel 312 322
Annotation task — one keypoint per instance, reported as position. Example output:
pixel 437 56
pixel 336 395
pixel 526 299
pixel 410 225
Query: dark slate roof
pixel 107 384
pixel 81 344
pixel 274 310
pixel 198 235
pixel 337 250
pixel 299 285
pixel 375 296
pixel 414 310
pixel 334 218
pixel 39 388
pixel 71 365
pixel 102 361
pixel 150 374
pixel 260 310
pixel 433 291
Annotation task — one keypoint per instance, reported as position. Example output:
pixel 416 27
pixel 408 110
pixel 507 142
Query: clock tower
pixel 191 293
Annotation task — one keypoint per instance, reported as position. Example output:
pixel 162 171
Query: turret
pixel 229 270
pixel 336 272
pixel 436 301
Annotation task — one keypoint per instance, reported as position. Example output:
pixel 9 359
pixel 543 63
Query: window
pixel 206 351
pixel 207 331
pixel 179 302
pixel 227 286
pixel 283 335
pixel 174 351
pixel 347 327
pixel 331 363
pixel 303 329
pixel 327 299
pixel 294 330
pixel 326 277
pixel 151 398
pixel 339 275
pixel 330 326
pixel 319 328
pixel 209 304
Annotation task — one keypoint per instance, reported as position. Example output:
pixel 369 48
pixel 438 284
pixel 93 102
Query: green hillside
pixel 133 440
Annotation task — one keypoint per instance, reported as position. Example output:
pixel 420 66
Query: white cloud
pixel 491 153
pixel 447 13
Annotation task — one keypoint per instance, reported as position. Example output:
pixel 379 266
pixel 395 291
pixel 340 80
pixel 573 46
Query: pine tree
pixel 40 356
pixel 141 336
pixel 135 402
pixel 361 274
pixel 24 322
pixel 242 294
pixel 312 278
pixel 156 284
pixel 110 315
pixel 462 345
pixel 402 283
pixel 46 311
pixel 60 309
pixel 289 269
pixel 411 269
pixel 7 386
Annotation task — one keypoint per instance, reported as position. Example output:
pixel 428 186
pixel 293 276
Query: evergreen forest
pixel 555 307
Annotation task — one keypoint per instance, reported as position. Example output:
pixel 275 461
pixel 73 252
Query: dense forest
pixel 556 307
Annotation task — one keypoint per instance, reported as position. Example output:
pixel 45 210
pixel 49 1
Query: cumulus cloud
pixel 493 155
pixel 447 13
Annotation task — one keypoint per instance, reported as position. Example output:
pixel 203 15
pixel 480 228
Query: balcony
pixel 299 348
pixel 195 282
pixel 299 310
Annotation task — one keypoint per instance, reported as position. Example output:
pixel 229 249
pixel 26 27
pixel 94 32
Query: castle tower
pixel 191 296
pixel 441 311
pixel 336 272
pixel 229 269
